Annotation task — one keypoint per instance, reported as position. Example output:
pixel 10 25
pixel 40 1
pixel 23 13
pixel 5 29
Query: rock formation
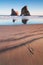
pixel 25 12
pixel 14 13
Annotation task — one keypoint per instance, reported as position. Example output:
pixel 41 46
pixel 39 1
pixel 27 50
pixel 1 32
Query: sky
pixel 34 6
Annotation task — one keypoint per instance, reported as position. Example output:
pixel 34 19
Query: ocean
pixel 7 20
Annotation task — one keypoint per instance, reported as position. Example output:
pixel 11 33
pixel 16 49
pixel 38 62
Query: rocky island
pixel 24 12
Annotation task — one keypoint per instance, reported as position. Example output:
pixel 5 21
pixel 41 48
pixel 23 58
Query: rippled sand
pixel 21 45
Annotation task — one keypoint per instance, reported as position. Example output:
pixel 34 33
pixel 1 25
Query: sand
pixel 21 45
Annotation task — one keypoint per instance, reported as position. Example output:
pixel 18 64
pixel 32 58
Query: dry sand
pixel 21 45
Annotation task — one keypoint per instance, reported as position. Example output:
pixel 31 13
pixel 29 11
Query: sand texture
pixel 21 45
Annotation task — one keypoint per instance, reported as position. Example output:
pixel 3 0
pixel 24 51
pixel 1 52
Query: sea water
pixel 34 20
pixel 20 22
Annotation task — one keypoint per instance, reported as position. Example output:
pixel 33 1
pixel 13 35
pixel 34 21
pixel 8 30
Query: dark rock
pixel 14 13
pixel 25 12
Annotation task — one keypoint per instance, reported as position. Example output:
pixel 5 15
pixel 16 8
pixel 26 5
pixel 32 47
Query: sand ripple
pixel 26 37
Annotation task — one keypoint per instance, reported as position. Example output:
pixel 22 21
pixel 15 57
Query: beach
pixel 21 44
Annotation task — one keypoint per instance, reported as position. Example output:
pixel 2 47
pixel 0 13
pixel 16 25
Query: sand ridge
pixel 22 44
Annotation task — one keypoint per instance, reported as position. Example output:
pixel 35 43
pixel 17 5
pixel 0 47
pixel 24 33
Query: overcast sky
pixel 34 6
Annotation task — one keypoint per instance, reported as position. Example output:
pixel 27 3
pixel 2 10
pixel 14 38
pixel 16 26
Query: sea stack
pixel 25 12
pixel 14 13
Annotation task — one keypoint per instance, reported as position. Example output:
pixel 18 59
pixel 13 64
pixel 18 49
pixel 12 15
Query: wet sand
pixel 21 45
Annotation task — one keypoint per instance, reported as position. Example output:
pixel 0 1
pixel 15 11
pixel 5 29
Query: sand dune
pixel 21 45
